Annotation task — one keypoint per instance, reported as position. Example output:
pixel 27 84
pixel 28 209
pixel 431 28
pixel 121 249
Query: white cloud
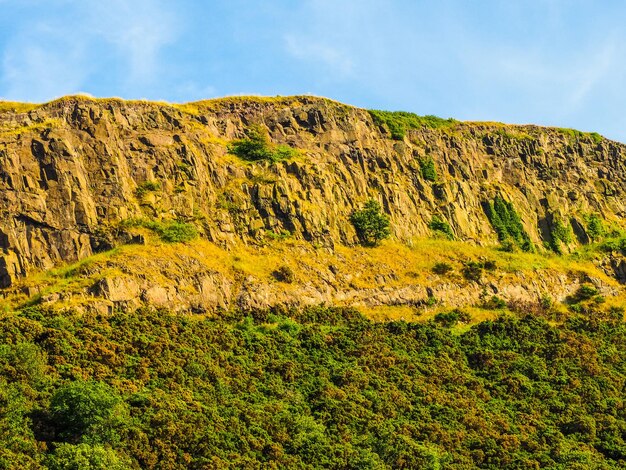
pixel 318 52
pixel 138 30
pixel 39 66
pixel 58 54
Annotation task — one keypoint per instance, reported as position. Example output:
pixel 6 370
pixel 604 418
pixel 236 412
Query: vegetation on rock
pixel 370 224
pixel 440 226
pixel 257 147
pixel 168 231
pixel 507 224
pixel 397 123
pixel 427 167
pixel 561 234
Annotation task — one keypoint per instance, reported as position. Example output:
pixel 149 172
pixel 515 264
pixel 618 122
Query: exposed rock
pixel 70 170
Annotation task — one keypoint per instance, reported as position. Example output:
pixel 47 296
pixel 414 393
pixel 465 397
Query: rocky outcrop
pixel 72 170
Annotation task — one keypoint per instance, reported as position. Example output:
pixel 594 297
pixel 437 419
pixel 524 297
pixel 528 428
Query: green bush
pixel 494 303
pixel 177 232
pixel 595 226
pixel 473 271
pixel 85 457
pixel 428 170
pixel 85 408
pixel 442 268
pixel 370 224
pixel 507 224
pixel 284 274
pixel 147 187
pixel 449 319
pixel 168 231
pixel 257 147
pixel 440 226
pixel 585 292
pixel 560 234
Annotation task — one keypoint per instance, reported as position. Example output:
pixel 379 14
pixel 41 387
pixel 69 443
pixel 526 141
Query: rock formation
pixel 73 172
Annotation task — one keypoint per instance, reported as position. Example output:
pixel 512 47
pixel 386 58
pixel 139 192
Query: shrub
pixel 595 227
pixel 80 408
pixel 473 271
pixel 257 147
pixel 495 303
pixel 442 268
pixel 449 319
pixel 490 265
pixel 146 187
pixel 546 301
pixel 170 232
pixel 560 234
pixel 370 224
pixel 85 456
pixel 614 244
pixel 507 224
pixel 428 170
pixel 585 292
pixel 284 274
pixel 177 232
pixel 438 225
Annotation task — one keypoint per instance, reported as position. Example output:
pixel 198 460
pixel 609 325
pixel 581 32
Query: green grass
pixel 398 123
pixel 168 231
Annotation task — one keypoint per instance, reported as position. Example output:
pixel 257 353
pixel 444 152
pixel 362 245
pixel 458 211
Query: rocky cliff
pixel 73 172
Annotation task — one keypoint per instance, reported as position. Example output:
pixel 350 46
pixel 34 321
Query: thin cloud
pixel 138 30
pixel 61 54
pixel 40 65
pixel 317 52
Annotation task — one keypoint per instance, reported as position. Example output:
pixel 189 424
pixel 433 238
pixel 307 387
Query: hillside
pixel 293 282
pixel 81 176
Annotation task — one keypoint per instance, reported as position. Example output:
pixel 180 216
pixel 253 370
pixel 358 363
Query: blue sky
pixel 552 62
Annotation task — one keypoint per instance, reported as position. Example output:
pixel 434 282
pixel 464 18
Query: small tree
pixel 370 223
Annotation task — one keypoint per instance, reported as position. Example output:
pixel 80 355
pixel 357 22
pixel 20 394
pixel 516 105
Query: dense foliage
pixel 397 123
pixel 370 224
pixel 322 388
pixel 257 147
pixel 507 223
pixel 561 234
pixel 428 170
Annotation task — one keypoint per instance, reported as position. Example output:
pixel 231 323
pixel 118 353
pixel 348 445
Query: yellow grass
pixel 391 265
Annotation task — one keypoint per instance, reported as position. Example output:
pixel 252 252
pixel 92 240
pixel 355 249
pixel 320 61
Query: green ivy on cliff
pixel 560 234
pixel 507 223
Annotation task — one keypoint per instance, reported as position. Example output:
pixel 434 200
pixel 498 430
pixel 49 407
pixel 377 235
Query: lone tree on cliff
pixel 370 223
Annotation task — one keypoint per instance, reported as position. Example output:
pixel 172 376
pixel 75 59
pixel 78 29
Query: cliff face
pixel 73 170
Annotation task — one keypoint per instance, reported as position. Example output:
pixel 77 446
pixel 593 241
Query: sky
pixel 548 62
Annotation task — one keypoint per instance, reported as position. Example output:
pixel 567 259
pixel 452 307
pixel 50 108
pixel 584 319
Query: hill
pixel 297 283
pixel 82 176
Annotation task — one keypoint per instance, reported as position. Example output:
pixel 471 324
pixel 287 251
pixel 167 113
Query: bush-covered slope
pixel 313 389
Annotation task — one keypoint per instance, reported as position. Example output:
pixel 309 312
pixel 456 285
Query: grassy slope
pixel 399 264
